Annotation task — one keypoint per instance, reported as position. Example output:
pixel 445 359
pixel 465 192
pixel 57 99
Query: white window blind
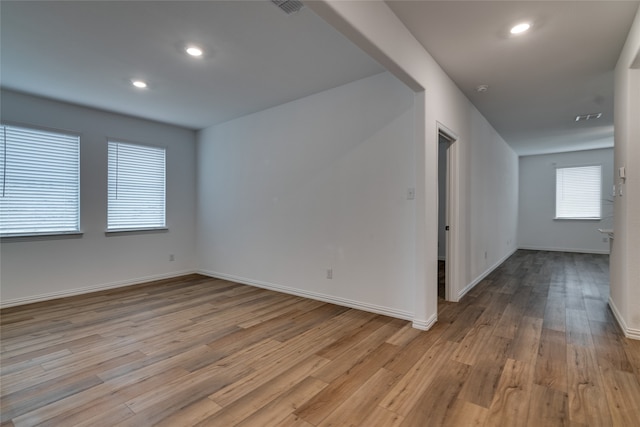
pixel 136 187
pixel 578 192
pixel 39 182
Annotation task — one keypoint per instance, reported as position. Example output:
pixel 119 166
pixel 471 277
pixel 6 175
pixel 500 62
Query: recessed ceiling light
pixel 194 51
pixel 520 28
pixel 139 84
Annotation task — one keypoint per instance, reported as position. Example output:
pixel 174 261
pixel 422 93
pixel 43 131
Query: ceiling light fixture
pixel 520 28
pixel 139 84
pixel 482 88
pixel 194 51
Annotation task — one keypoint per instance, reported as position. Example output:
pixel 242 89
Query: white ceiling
pixel 86 52
pixel 538 81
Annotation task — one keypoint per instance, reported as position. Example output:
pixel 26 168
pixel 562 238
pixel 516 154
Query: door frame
pixel 452 214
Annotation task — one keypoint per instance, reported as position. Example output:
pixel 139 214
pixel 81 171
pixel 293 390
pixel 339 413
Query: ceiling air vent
pixel 586 117
pixel 288 6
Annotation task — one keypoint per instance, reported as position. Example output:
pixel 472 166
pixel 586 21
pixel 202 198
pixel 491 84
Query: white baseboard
pixel 579 251
pixel 484 274
pixel 405 315
pixel 90 289
pixel 628 332
pixel 425 325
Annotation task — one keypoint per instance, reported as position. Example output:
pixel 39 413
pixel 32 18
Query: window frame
pixel 66 133
pixel 136 229
pixel 600 192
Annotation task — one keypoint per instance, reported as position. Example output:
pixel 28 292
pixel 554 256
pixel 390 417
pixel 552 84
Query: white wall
pixel 485 225
pixel 537 228
pixel 625 250
pixel 318 183
pixel 41 268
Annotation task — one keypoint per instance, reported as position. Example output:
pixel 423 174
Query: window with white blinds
pixel 136 198
pixel 39 182
pixel 578 192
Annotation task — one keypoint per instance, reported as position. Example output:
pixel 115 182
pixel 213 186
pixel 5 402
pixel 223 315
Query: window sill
pixel 130 231
pixel 577 219
pixel 42 236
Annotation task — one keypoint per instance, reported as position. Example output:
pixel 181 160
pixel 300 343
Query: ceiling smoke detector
pixel 586 117
pixel 288 6
pixel 482 88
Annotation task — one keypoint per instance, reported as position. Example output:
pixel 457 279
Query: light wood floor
pixel 532 345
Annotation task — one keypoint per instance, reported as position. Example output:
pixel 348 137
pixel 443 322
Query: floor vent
pixel 288 6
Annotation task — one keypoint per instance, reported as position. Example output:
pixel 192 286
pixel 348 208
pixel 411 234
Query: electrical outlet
pixel 329 273
pixel 411 193
pixel 172 257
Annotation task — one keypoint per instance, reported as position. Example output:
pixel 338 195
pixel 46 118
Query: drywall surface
pixel 625 248
pixel 43 268
pixel 537 228
pixel 315 184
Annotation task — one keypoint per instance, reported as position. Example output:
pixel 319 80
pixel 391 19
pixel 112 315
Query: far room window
pixel 39 182
pixel 136 195
pixel 578 192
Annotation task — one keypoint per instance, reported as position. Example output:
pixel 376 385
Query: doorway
pixel 446 217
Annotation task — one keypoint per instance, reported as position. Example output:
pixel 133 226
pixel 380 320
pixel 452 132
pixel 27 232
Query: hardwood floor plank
pixel 356 408
pixel 469 348
pixel 21 402
pixel 548 407
pixel 510 405
pixel 554 312
pixel 281 361
pixel 404 395
pixel 436 403
pixel 194 385
pixel 403 361
pixel 191 414
pixel 551 363
pixel 526 342
pixel 465 414
pixel 586 394
pixel 623 394
pixel 381 417
pixel 322 404
pixel 358 352
pixel 275 413
pixel 485 374
pixel 247 401
pixel 294 421
pixel 72 405
pixel 361 330
pixel 578 330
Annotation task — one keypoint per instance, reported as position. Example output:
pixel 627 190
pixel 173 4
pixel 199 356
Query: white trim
pixel 425 325
pixel 400 314
pixel 91 289
pixel 452 213
pixel 631 333
pixel 485 274
pixel 575 250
